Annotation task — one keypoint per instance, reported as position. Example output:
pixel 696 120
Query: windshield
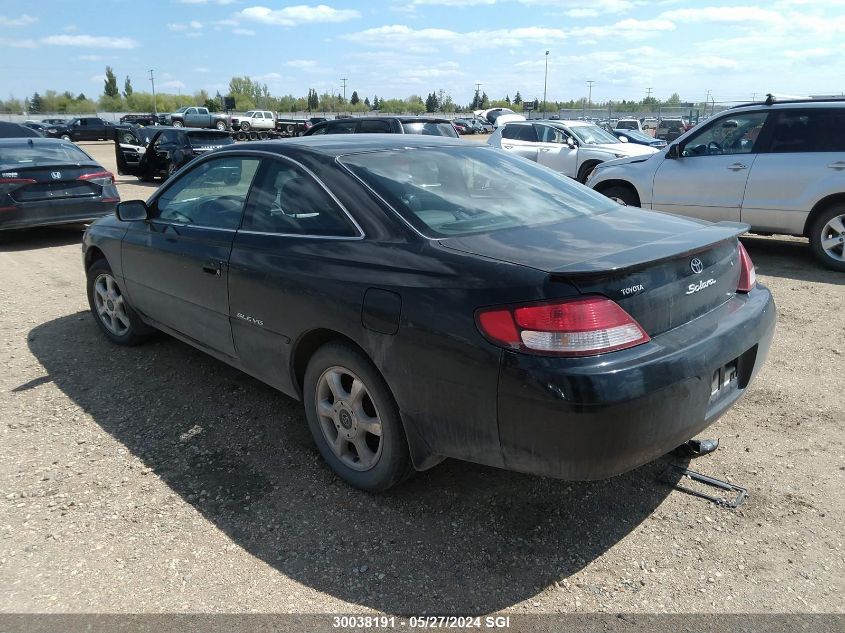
pixel 249 114
pixel 452 191
pixel 593 134
pixel 185 109
pixel 24 154
pixel 638 136
pixel 430 128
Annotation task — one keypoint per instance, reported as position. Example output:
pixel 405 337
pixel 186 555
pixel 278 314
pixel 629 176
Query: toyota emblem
pixel 56 175
pixel 696 265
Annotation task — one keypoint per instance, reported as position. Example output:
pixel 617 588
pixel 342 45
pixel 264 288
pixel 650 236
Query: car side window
pixel 735 134
pixel 375 127
pixel 526 133
pixel 549 134
pixel 341 127
pixel 319 130
pixel 510 132
pixel 288 200
pixel 808 131
pixel 211 195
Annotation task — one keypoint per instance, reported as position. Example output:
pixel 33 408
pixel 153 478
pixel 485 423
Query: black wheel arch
pixel 822 205
pixel 607 184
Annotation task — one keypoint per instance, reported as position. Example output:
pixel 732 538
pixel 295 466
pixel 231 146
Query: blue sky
pixel 398 48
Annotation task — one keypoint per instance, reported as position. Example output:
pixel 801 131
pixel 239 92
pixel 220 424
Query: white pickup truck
pixel 254 120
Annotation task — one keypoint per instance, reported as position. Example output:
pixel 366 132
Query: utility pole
pixel 590 83
pixel 344 80
pixel 155 109
pixel 545 83
pixel 648 93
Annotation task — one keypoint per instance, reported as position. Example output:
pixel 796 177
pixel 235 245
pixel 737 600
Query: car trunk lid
pixel 663 270
pixel 50 182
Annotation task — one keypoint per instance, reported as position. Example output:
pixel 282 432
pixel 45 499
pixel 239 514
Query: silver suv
pixel 779 167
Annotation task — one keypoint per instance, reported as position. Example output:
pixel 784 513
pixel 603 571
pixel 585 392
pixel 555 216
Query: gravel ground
pixel 157 479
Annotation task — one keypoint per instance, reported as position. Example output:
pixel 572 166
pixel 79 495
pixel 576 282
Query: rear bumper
pixel 29 214
pixel 594 418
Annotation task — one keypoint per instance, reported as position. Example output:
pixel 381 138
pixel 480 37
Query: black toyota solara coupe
pixel 429 298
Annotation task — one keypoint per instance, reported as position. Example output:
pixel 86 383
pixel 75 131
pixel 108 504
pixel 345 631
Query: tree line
pixel 250 94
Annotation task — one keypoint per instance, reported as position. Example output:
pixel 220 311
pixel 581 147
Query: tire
pixel 171 169
pixel 585 171
pixel 383 459
pixel 621 193
pixel 178 124
pixel 110 309
pixel 827 237
pixel 245 126
pixel 253 136
pixel 66 137
pixel 263 136
pixel 220 125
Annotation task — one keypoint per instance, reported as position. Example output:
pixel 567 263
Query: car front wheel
pixel 220 125
pixel 354 419
pixel 827 237
pixel 112 312
pixel 178 124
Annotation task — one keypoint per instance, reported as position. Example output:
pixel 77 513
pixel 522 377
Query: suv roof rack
pixel 772 100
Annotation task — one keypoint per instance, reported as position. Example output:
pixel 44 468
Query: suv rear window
pixel 520 133
pixel 809 131
pixel 430 128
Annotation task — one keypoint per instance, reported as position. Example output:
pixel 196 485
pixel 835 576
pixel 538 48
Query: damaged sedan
pixel 427 298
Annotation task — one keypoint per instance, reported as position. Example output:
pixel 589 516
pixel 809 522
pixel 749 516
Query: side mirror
pixel 570 142
pixel 132 210
pixel 674 151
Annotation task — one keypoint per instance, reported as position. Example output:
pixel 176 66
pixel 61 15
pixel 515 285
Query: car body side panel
pixel 783 187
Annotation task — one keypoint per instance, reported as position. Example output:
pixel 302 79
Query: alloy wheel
pixel 348 418
pixel 833 238
pixel 110 305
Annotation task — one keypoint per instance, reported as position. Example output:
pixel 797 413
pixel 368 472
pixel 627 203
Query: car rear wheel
pixel 112 312
pixel 66 137
pixel 354 419
pixel 220 125
pixel 245 126
pixel 827 237
pixel 622 195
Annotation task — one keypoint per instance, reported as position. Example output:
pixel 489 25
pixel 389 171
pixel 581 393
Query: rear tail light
pixel 102 178
pixel 8 185
pixel 574 327
pixel 747 274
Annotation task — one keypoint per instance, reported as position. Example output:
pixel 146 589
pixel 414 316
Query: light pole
pixel 590 83
pixel 545 83
pixel 155 109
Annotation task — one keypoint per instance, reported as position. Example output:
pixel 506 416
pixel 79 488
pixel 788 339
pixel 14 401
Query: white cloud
pixel 268 77
pixel 97 78
pixel 4 41
pixel 193 24
pixel 90 41
pixel 21 20
pixel 172 84
pixel 302 64
pixel 299 14
pixel 243 32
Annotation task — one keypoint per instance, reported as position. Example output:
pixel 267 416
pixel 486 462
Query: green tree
pixel 110 87
pixel 675 99
pixel 81 97
pixel 367 102
pixel 354 99
pixel 485 102
pixel 127 87
pixel 517 98
pixel 35 103
pixel 376 103
pixel 431 103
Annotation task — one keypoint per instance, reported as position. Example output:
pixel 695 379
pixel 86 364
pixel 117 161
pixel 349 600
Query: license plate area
pixel 724 380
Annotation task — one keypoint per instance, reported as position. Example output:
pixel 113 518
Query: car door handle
pixel 838 165
pixel 737 167
pixel 213 268
pixel 508 146
pixel 545 149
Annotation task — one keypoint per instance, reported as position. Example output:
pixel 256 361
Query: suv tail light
pixel 747 274
pixel 570 327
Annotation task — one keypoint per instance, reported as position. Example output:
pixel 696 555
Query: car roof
pixel 791 105
pixel 340 144
pixel 14 131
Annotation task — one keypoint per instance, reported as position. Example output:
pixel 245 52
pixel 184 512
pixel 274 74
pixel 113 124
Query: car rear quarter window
pixel 341 127
pixel 211 195
pixel 287 200
pixel 525 133
pixel 375 127
pixel 458 191
pixel 808 131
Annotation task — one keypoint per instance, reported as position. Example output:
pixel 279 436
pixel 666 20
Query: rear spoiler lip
pixel 683 244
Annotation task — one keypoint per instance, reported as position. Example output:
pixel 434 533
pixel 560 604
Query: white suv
pixel 779 167
pixel 573 148
pixel 255 120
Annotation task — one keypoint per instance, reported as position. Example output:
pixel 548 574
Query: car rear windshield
pixel 627 125
pixel 24 153
pixel 638 135
pixel 445 192
pixel 430 128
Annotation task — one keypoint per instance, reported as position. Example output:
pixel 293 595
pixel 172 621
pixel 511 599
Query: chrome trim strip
pixel 313 237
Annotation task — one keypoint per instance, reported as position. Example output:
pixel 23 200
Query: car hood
pixel 628 149
pixel 611 241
